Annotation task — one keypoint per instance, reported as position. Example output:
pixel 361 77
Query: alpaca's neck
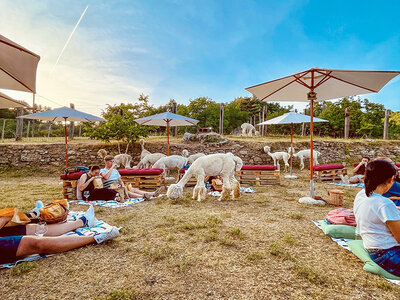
pixel 186 177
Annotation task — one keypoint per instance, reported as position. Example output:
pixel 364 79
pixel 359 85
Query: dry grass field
pixel 263 246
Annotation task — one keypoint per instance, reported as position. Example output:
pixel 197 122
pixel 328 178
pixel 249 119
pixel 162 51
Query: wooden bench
pixel 258 175
pixel 70 182
pixel 329 172
pixel 144 179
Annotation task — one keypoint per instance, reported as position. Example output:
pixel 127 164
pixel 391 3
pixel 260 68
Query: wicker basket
pixel 55 212
pixel 335 197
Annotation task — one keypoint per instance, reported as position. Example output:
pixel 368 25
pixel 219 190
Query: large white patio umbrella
pixel 8 102
pixel 64 114
pixel 167 119
pixel 327 84
pixel 291 118
pixel 17 67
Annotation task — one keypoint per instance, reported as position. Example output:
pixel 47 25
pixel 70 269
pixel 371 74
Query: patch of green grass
pixel 236 232
pixel 122 219
pixel 212 235
pixel 99 210
pixel 256 256
pixel 158 253
pixel 347 150
pixel 289 239
pixel 9 171
pixel 310 274
pixel 124 294
pixel 384 285
pixel 213 221
pixel 275 248
pixel 296 216
pixel 227 241
pixel 270 220
pixel 23 268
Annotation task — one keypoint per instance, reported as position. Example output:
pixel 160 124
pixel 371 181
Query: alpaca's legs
pixel 226 188
pixel 301 163
pixel 236 187
pixel 199 189
pixel 195 192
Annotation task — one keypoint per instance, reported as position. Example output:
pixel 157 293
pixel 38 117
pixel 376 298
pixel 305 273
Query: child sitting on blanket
pixel 377 217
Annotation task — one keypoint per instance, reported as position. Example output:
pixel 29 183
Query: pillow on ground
pixel 358 249
pixel 338 231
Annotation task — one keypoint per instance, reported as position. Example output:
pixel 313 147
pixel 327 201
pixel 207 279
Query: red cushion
pixel 327 167
pixel 127 172
pixel 183 170
pixel 72 176
pixel 397 164
pixel 258 167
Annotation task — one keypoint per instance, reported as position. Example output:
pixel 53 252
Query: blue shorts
pixel 388 259
pixel 8 248
pixel 10 237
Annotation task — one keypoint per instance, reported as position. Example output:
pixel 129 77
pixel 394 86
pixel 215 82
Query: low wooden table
pixel 258 175
pixel 329 172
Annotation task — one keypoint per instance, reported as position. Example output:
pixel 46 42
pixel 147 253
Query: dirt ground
pixel 262 246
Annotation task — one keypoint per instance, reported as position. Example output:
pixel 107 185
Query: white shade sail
pixel 166 117
pixel 63 114
pixel 17 67
pixel 8 102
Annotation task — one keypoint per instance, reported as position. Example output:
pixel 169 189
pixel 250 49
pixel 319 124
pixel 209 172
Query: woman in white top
pixel 377 217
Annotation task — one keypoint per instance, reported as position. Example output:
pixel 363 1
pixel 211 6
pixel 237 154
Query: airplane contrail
pixel 69 38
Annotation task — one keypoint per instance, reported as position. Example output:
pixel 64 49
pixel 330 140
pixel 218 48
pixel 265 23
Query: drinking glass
pixel 41 228
pixel 86 194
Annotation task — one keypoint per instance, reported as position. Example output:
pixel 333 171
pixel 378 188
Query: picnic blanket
pixel 344 244
pixel 359 185
pixel 110 203
pixel 101 226
pixel 242 190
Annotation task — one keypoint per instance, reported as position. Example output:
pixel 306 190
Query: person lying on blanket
pixel 377 217
pixel 19 241
pixel 85 183
pixel 111 175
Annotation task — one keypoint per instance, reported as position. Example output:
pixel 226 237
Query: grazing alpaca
pixel 247 129
pixel 123 160
pixel 144 151
pixel 149 160
pixel 225 165
pixel 302 154
pixel 173 162
pixel 276 156
pixel 193 157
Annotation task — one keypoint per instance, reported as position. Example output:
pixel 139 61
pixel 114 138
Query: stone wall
pixel 251 152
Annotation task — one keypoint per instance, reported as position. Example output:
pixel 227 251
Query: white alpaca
pixel 173 162
pixel 185 153
pixel 144 151
pixel 221 164
pixel 193 157
pixel 247 129
pixel 302 154
pixel 149 160
pixel 123 160
pixel 276 156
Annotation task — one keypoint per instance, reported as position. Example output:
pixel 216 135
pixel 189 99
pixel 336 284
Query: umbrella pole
pixel 66 142
pixel 312 97
pixel 291 149
pixel 168 136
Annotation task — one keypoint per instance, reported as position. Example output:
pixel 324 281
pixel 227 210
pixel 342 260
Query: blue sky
pixel 187 49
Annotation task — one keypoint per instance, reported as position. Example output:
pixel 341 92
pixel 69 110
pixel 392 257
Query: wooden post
pixel 71 125
pixel 221 119
pixel 346 122
pixel 20 124
pixel 27 130
pixel 49 130
pixel 4 128
pixel 174 111
pixel 386 125
pixel 80 130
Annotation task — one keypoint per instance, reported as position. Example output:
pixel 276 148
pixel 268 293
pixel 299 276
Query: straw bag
pixel 55 212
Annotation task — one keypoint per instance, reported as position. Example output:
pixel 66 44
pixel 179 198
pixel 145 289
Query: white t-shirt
pixel 371 215
pixel 113 177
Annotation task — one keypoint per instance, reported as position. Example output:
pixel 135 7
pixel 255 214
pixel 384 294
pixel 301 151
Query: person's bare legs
pixel 49 245
pixel 56 229
pixel 142 193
